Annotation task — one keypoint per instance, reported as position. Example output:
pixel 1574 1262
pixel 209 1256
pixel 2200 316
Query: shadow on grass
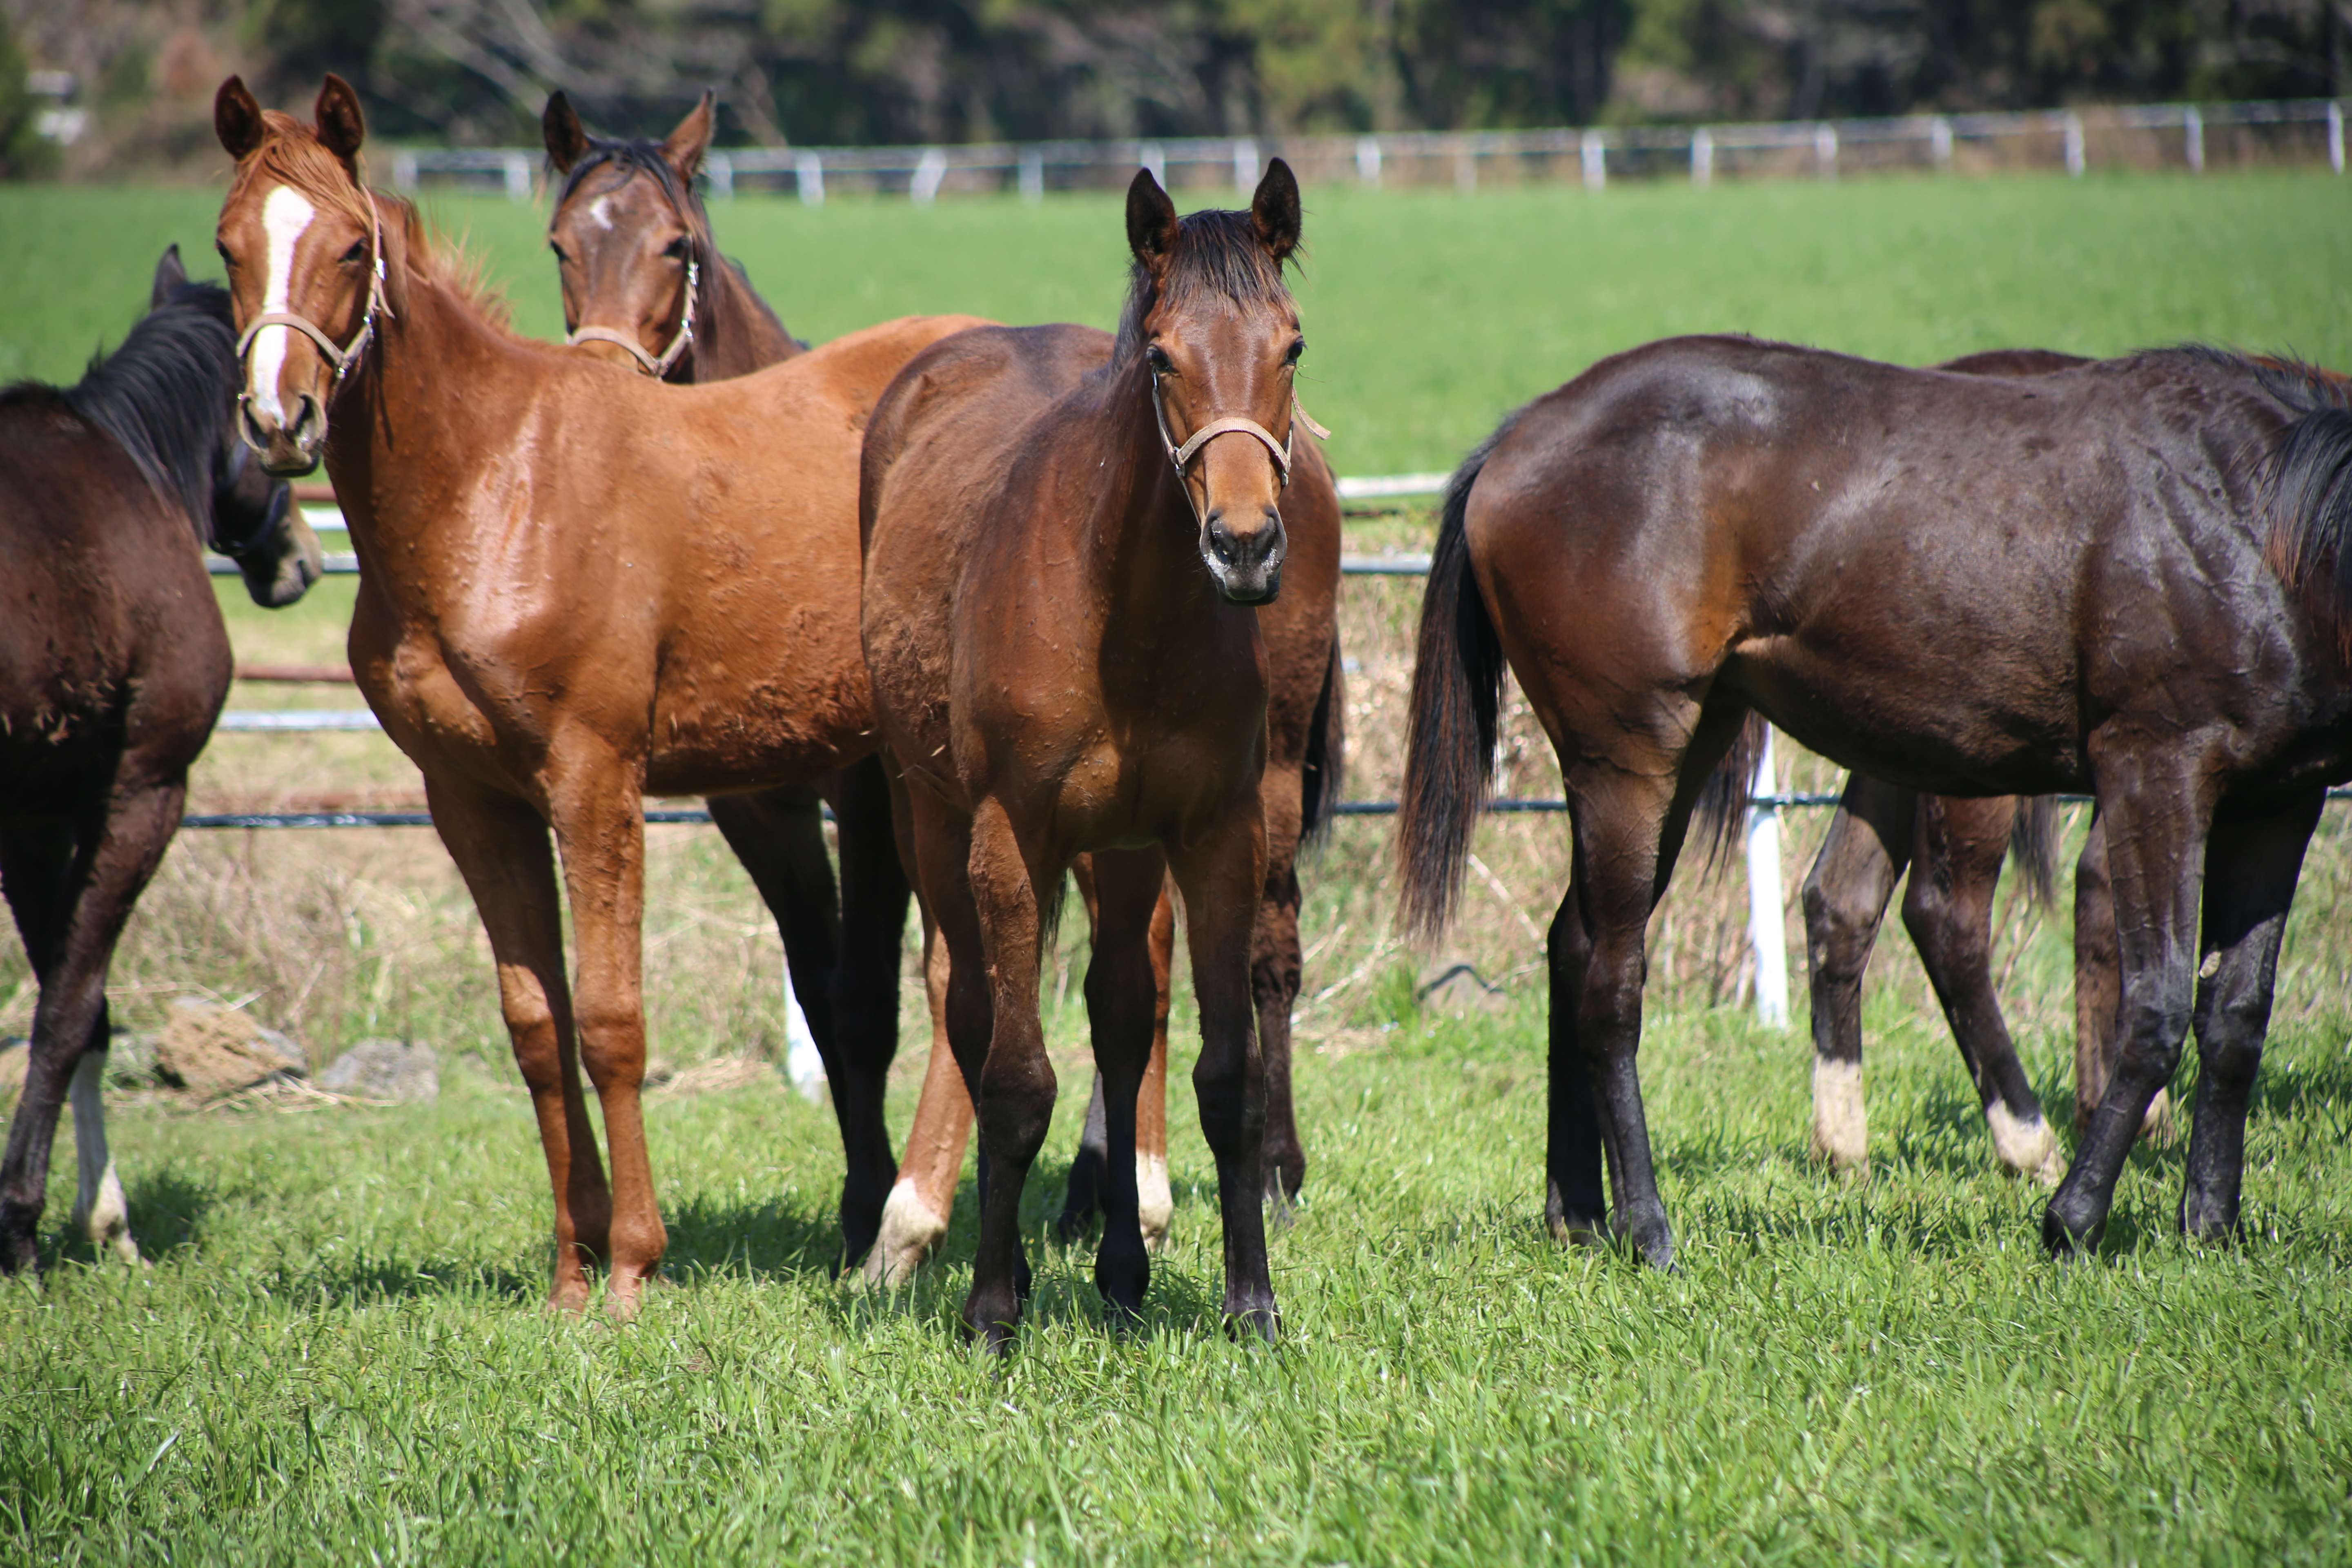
pixel 166 1208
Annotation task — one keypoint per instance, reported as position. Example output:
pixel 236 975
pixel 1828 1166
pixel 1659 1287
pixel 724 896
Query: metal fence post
pixel 2075 161
pixel 518 174
pixel 1368 161
pixel 2336 137
pixel 808 175
pixel 1245 166
pixel 1702 157
pixel 1156 160
pixel 1826 149
pixel 719 168
pixel 1032 176
pixel 1939 141
pixel 1593 148
pixel 2192 126
pixel 923 188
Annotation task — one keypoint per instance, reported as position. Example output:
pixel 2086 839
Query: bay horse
pixel 113 665
pixel 577 588
pixel 634 249
pixel 2129 578
pixel 1953 847
pixel 630 235
pixel 1064 562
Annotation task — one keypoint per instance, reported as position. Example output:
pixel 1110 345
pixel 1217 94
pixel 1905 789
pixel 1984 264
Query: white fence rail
pixel 2178 135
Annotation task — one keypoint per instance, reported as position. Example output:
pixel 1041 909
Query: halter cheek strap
pixel 659 368
pixel 1232 424
pixel 342 356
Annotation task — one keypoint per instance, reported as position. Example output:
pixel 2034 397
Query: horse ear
pixel 170 277
pixel 236 117
pixel 1151 220
pixel 686 145
pixel 1275 209
pixel 342 126
pixel 567 139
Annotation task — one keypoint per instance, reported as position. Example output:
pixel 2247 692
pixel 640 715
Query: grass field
pixel 336 1354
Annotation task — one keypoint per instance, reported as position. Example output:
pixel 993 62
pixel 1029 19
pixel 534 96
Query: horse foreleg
pixel 1082 1195
pixel 1122 1001
pixel 600 835
pixel 1013 1084
pixel 2157 821
pixel 1862 857
pixel 1274 968
pixel 501 850
pixel 1954 870
pixel 70 903
pixel 2251 871
pixel 1156 1204
pixel 1222 874
pixel 873 896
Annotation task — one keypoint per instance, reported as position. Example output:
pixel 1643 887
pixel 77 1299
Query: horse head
pixel 629 241
pixel 304 246
pixel 1219 333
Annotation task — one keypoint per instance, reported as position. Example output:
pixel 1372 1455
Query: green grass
pixel 337 1357
pixel 1430 314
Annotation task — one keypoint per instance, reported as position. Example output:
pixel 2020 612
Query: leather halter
pixel 1231 424
pixel 658 369
pixel 342 356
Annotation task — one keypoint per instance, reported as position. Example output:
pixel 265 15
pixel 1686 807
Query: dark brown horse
pixel 113 665
pixel 1953 847
pixel 644 286
pixel 2130 578
pixel 577 587
pixel 1064 562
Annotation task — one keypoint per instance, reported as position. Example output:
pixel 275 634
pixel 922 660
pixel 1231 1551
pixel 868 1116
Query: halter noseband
pixel 1232 424
pixel 658 369
pixel 342 356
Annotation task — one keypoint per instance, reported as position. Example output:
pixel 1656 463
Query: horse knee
pixel 613 1045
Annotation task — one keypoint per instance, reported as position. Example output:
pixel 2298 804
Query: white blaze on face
pixel 285 215
pixel 601 209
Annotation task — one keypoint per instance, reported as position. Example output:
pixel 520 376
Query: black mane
pixel 1217 252
pixel 165 396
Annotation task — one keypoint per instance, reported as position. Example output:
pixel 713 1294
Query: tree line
pixel 865 71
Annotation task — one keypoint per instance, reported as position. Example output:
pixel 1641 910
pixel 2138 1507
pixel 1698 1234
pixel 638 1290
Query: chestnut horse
pixel 1061 577
pixel 634 249
pixel 113 665
pixel 628 233
pixel 2129 577
pixel 577 587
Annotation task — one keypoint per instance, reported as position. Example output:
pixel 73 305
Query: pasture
pixel 337 1353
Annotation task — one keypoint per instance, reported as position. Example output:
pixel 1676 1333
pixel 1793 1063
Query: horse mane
pixel 1217 252
pixel 2305 483
pixel 292 152
pixel 165 396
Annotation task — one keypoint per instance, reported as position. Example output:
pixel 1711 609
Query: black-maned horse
pixel 2132 578
pixel 113 665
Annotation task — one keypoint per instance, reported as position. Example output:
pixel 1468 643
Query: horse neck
pixel 739 333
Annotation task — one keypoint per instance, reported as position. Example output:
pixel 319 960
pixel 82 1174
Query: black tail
pixel 1721 814
pixel 1327 756
pixel 2033 846
pixel 1457 683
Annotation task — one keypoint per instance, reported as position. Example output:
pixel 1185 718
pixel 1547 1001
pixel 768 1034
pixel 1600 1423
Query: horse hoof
pixel 1260 1325
pixel 911 1233
pixel 1578 1230
pixel 2062 1241
pixel 2206 1219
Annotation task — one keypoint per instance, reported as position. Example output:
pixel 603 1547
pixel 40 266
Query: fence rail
pixel 2175 135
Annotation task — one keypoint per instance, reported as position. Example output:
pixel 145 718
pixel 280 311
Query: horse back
pixel 110 634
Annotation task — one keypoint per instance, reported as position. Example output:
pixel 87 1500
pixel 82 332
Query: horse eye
pixel 560 258
pixel 221 251
pixel 1157 358
pixel 356 253
pixel 1297 347
pixel 676 249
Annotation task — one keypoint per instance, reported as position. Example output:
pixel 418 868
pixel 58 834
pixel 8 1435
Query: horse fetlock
pixel 2209 1214
pixel 911 1231
pixel 2157 1122
pixel 1841 1116
pixel 2071 1225
pixel 1155 1204
pixel 1123 1272
pixel 105 1217
pixel 2026 1143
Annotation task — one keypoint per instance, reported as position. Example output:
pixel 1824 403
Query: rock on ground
pixel 210 1051
pixel 385 1070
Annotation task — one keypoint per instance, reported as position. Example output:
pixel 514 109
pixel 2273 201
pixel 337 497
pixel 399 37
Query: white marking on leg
pixel 1841 1116
pixel 98 1207
pixel 284 216
pixel 1154 1203
pixel 2158 1123
pixel 911 1233
pixel 2027 1146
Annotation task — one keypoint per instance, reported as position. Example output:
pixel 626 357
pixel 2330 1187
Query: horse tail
pixel 1327 754
pixel 1721 814
pixel 2033 846
pixel 2310 493
pixel 1457 684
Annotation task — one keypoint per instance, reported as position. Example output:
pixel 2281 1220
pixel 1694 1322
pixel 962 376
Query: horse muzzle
pixel 1246 562
pixel 288 450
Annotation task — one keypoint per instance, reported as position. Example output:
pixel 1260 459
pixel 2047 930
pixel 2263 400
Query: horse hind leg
pixel 1862 857
pixel 70 904
pixel 915 1217
pixel 1123 991
pixel 1948 909
pixel 2098 990
pixel 1156 1204
pixel 873 897
pixel 1275 967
